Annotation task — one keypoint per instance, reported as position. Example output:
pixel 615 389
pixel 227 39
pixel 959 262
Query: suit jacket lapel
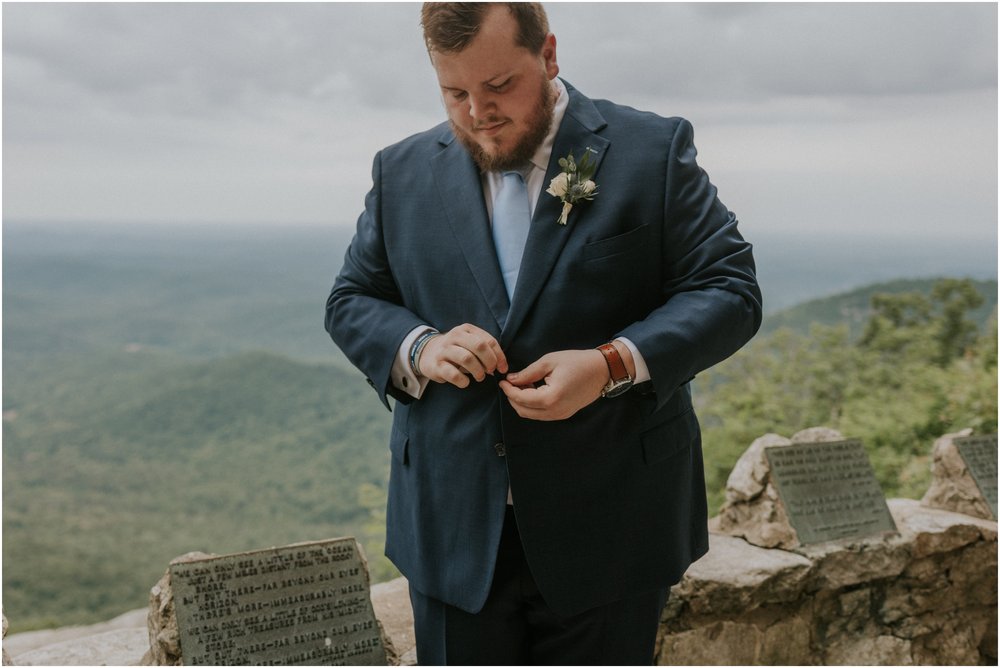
pixel 461 189
pixel 546 238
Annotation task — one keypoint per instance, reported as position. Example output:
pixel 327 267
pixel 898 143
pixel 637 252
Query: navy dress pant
pixel 516 627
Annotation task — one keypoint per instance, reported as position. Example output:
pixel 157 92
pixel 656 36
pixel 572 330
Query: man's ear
pixel 549 56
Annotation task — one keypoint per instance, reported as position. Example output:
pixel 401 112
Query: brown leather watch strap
pixel 616 365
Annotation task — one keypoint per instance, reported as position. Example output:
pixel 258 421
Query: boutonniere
pixel 574 183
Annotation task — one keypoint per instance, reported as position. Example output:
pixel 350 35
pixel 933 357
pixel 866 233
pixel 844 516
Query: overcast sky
pixel 857 118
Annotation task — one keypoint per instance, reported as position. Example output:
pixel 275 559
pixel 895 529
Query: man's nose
pixel 481 106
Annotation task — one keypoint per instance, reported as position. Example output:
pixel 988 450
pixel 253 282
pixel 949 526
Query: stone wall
pixel 925 595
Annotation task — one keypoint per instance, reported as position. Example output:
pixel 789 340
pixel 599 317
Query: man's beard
pixel 538 125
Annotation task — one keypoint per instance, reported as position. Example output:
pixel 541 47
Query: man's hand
pixel 461 352
pixel 573 379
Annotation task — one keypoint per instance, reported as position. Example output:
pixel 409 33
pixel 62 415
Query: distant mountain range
pixel 853 308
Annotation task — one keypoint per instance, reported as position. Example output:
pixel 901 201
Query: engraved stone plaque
pixel 829 491
pixel 980 456
pixel 303 604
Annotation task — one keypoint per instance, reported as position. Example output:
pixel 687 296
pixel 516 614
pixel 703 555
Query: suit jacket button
pixel 501 450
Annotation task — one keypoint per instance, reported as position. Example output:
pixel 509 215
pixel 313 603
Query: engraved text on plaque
pixel 829 491
pixel 980 456
pixel 304 604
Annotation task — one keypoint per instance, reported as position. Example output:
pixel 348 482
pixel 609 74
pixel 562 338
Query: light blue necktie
pixel 511 220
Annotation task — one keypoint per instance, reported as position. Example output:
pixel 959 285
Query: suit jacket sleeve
pixel 711 300
pixel 364 312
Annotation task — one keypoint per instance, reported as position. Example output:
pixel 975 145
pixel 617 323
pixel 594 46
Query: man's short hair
pixel 451 26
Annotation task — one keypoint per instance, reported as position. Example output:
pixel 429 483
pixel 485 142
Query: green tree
pixel 936 327
pixel 954 331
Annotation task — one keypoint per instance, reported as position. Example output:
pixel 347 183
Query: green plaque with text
pixel 304 604
pixel 980 456
pixel 829 491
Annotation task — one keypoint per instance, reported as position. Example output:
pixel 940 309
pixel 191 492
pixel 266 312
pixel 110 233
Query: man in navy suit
pixel 546 483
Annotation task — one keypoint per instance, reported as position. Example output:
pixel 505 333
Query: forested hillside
pixel 853 308
pixel 131 462
pixel 161 396
pixel 921 364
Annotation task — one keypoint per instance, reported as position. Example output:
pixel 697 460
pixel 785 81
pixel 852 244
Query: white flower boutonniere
pixel 574 182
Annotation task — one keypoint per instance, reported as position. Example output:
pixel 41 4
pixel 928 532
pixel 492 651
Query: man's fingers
pixel 442 370
pixel 468 362
pixel 532 403
pixel 500 360
pixel 531 374
pixel 461 352
pixel 450 374
pixel 527 397
pixel 483 346
pixel 572 380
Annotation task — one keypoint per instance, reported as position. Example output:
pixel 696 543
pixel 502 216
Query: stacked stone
pixel 953 487
pixel 164 638
pixel 6 659
pixel 924 596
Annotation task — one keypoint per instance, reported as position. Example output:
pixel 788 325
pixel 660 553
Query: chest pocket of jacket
pixel 624 245
pixel 666 440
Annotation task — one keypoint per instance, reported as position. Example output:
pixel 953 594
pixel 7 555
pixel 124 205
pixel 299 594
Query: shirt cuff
pixel 402 375
pixel 641 370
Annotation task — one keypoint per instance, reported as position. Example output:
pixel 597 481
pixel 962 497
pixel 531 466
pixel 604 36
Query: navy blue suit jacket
pixel 611 501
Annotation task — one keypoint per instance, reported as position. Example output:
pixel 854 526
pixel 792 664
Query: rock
pixel 6 658
pixel 844 563
pixel 753 509
pixel 713 586
pixel 817 435
pixel 988 644
pixel 164 638
pixel 20 644
pixel 931 530
pixel 391 602
pixel 786 642
pixel 720 643
pixel 750 475
pixel 123 647
pixel 878 651
pixel 952 486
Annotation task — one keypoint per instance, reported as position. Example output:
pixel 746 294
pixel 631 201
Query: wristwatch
pixel 620 380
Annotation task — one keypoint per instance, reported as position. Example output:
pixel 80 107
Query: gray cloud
pixel 197 58
pixel 233 111
pixel 752 50
pixel 194 58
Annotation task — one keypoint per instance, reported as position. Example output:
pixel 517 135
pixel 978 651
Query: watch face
pixel 615 388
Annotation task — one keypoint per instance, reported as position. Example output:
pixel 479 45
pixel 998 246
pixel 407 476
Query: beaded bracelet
pixel 418 347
